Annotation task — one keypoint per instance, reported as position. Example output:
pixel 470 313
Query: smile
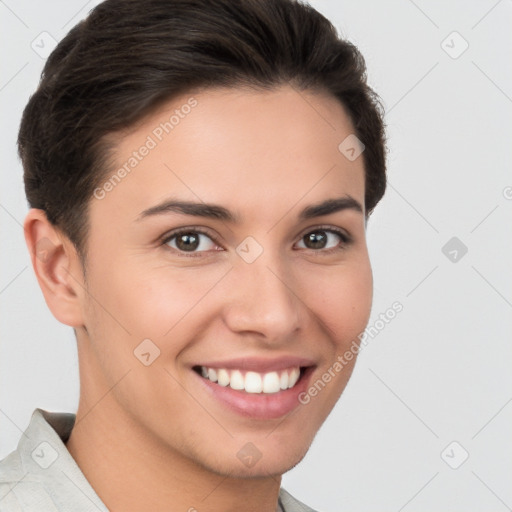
pixel 252 382
pixel 254 387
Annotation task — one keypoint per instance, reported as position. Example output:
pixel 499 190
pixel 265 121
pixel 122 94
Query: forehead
pixel 249 149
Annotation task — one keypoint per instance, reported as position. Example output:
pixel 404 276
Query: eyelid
pixel 185 229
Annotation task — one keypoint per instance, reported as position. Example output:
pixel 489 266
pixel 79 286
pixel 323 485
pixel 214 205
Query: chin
pixel 275 465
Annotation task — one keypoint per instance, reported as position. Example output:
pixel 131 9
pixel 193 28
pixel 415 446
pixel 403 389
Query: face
pixel 227 274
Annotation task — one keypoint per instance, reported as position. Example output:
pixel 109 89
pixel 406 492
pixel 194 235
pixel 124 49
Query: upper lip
pixel 259 364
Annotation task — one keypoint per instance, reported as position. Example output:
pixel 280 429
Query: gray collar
pixel 42 476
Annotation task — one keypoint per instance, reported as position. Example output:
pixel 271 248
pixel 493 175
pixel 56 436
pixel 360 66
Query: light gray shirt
pixel 42 476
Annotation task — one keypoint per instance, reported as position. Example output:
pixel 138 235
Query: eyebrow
pixel 214 211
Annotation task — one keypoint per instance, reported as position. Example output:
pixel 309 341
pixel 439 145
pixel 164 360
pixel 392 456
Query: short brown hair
pixel 127 57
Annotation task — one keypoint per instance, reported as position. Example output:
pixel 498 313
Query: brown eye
pixel 325 239
pixel 316 240
pixel 187 241
pixel 190 241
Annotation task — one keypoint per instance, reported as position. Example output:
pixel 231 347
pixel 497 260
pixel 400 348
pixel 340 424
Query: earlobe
pixel 56 265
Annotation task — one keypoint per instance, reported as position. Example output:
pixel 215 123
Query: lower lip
pixel 259 405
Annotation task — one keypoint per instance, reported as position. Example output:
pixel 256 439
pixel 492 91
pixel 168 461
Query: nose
pixel 262 300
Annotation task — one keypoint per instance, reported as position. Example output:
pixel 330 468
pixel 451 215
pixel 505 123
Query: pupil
pixel 317 241
pixel 188 241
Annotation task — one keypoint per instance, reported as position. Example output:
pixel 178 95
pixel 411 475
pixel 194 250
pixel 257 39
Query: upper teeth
pixel 253 382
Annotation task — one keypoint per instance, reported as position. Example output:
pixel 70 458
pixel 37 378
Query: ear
pixel 57 267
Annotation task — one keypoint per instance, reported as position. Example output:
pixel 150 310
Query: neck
pixel 132 471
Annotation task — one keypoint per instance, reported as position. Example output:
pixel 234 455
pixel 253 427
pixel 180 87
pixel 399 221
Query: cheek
pixel 343 300
pixel 165 298
pixel 157 302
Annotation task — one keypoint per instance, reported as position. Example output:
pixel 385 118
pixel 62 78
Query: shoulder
pixel 26 478
pixel 18 490
pixel 11 468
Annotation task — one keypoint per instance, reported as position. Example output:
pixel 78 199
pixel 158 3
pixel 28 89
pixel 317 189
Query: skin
pixel 149 437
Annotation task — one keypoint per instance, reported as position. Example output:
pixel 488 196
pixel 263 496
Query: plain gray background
pixel 440 371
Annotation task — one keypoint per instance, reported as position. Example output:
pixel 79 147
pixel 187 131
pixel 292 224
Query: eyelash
pixel 345 240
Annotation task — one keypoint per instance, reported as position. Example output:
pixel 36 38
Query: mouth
pixel 253 390
pixel 253 382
